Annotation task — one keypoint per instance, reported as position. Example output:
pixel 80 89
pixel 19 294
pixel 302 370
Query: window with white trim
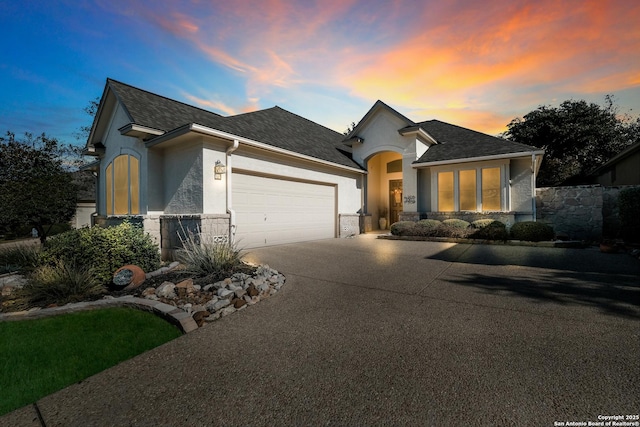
pixel 474 189
pixel 122 178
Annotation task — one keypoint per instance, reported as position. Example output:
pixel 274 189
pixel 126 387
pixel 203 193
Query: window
pixel 478 189
pixel 468 190
pixel 122 179
pixel 445 192
pixel 491 200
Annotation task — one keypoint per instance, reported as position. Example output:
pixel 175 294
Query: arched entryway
pixel 384 188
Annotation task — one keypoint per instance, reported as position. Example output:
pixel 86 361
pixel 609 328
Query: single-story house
pixel 621 169
pixel 86 204
pixel 270 176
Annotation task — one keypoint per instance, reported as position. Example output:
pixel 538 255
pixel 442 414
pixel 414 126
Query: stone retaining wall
pixel 573 211
pixel 583 212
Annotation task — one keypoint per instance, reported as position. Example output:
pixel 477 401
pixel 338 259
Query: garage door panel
pixel 272 211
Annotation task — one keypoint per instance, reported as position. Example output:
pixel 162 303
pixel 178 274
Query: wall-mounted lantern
pixel 219 169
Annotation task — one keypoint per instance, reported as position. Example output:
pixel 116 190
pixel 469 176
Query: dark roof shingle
pixel 458 143
pixel 273 126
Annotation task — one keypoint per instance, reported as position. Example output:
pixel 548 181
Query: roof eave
pixel 139 131
pixel 537 153
pixel 419 133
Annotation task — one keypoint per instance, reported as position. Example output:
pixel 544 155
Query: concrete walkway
pixel 378 332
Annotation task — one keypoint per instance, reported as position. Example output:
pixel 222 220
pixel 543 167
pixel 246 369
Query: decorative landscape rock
pixel 203 304
pixel 166 290
pixel 129 277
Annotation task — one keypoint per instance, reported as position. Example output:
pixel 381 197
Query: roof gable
pixel 158 112
pixel 373 111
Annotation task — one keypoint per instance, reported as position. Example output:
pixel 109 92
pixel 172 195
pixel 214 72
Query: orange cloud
pixel 214 105
pixel 481 58
pixel 477 62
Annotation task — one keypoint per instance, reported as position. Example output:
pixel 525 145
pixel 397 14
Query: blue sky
pixel 475 64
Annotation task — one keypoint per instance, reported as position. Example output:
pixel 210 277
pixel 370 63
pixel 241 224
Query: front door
pixel 395 200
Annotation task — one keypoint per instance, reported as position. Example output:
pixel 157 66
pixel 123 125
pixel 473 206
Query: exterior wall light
pixel 219 169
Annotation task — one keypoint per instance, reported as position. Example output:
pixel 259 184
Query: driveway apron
pixel 379 332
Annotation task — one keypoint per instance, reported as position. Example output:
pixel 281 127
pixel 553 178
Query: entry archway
pixel 384 188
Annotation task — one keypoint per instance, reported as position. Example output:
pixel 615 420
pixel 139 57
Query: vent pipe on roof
pixel 230 211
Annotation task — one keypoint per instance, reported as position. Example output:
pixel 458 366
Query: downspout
pixel 533 185
pixel 230 211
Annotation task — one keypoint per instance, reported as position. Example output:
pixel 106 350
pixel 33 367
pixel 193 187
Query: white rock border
pixel 265 280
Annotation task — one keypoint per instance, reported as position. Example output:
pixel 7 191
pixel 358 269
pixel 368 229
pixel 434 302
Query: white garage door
pixel 272 211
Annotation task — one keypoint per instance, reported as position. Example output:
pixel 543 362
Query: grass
pixel 41 356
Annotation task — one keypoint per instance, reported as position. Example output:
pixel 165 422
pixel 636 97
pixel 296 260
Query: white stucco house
pixel 271 177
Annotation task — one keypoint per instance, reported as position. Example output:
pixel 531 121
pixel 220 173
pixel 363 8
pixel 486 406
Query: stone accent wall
pixel 151 225
pixel 574 211
pixel 173 228
pixel 349 225
pixel 411 216
pixel 166 230
pixel 366 223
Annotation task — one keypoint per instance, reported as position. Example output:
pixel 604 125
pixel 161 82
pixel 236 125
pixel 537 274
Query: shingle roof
pixel 458 143
pixel 158 112
pixel 283 129
pixel 273 126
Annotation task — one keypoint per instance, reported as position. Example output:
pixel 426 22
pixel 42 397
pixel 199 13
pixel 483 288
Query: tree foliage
pixel 91 109
pixel 36 188
pixel 577 137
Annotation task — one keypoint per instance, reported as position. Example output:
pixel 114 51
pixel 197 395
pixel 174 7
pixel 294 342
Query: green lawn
pixel 41 356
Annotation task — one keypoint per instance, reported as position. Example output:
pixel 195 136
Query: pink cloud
pixel 458 59
pixel 213 105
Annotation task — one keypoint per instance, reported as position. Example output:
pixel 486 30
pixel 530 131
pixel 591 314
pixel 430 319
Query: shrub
pixel 489 229
pixel 59 283
pixel 428 223
pixel 448 230
pixel 403 228
pixel 205 256
pixel 23 258
pixel 456 223
pixel 104 250
pixel 629 206
pixel 531 231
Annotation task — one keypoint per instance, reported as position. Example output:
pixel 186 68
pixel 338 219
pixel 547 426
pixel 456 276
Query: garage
pixel 273 210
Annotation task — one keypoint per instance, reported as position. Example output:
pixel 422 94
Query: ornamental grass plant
pixel 58 284
pixel 208 255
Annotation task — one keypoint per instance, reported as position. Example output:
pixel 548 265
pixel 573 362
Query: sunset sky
pixel 473 63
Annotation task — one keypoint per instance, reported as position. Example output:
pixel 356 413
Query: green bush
pixel 531 231
pixel 59 283
pixel 629 208
pixel 403 228
pixel 489 229
pixel 428 223
pixel 456 223
pixel 205 256
pixel 104 250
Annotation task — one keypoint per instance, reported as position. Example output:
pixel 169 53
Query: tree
pixel 91 109
pixel 36 187
pixel 577 137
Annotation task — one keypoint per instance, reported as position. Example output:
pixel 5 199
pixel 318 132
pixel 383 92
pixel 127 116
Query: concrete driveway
pixel 378 332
